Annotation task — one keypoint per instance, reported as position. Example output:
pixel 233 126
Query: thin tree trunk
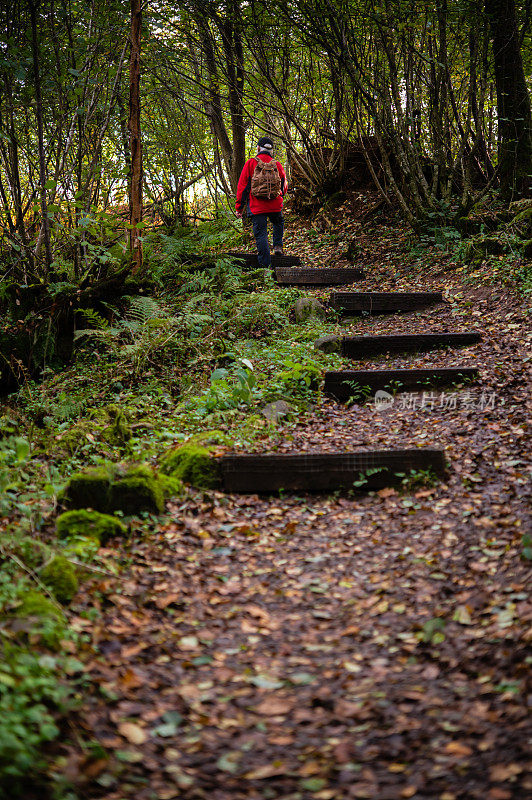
pixel 234 58
pixel 10 158
pixel 40 133
pixel 135 188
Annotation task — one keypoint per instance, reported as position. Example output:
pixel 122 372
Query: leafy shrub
pixel 14 452
pixel 300 380
pixel 29 692
pixel 228 389
pixel 164 253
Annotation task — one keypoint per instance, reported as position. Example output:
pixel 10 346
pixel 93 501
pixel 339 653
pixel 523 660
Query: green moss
pixel 482 246
pixel 523 223
pixel 135 491
pixel 60 577
pixel 192 464
pixel 36 604
pixel 77 436
pixel 89 489
pixel 172 487
pixel 81 548
pixel 208 438
pixel 116 428
pixel 31 551
pixel 107 489
pixel 46 620
pixel 107 424
pixel 89 524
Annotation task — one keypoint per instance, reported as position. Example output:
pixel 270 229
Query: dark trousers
pixel 260 232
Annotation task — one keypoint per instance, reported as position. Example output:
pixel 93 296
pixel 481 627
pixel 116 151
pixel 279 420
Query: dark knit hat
pixel 265 143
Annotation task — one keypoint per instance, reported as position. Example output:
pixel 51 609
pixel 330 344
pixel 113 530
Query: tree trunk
pixel 135 183
pixel 513 101
pixel 234 58
pixel 40 133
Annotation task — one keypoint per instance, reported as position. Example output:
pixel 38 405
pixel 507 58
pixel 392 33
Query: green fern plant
pixel 102 330
pixel 143 309
pixel 146 329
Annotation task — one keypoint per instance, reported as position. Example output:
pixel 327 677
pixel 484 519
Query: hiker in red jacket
pixel 260 191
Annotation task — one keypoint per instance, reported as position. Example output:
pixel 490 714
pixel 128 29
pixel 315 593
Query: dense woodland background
pixel 428 101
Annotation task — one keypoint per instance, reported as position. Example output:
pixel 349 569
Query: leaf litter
pixel 350 646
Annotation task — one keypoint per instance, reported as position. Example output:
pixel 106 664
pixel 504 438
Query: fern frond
pixel 94 318
pixel 141 309
pixel 104 334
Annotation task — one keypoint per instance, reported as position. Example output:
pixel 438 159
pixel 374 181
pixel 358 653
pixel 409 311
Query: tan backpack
pixel 266 181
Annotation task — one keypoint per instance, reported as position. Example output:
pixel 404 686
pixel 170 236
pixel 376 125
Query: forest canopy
pixel 429 100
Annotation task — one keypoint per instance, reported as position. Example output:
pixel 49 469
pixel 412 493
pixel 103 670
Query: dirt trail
pixel 338 647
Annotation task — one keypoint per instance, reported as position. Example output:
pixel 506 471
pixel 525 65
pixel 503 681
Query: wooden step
pixel 316 276
pixel 251 260
pixel 359 384
pixel 378 302
pixel 325 472
pixel 361 346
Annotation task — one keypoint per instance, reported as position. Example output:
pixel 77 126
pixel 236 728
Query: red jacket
pixel 243 191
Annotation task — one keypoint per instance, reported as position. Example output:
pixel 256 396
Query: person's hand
pixel 238 213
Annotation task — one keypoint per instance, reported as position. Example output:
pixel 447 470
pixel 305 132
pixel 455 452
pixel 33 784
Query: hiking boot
pixel 278 251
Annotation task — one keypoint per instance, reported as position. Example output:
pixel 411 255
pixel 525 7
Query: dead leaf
pixel 94 768
pixel 258 613
pixel 310 768
pixel 458 749
pixel 130 680
pixel 133 732
pixel 168 599
pixel 274 706
pixel 188 643
pixel 503 772
pixel 497 793
pixel 266 771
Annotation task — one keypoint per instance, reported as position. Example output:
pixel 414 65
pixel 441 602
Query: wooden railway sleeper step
pixel 360 384
pixel 362 346
pixel 383 302
pixel 326 472
pixel 251 260
pixel 317 276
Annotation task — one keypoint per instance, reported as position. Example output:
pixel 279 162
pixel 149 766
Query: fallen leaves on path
pixel 367 646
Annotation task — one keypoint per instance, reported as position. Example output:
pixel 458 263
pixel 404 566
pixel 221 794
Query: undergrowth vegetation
pixel 206 347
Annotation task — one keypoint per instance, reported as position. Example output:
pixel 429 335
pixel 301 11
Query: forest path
pixel 375 646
